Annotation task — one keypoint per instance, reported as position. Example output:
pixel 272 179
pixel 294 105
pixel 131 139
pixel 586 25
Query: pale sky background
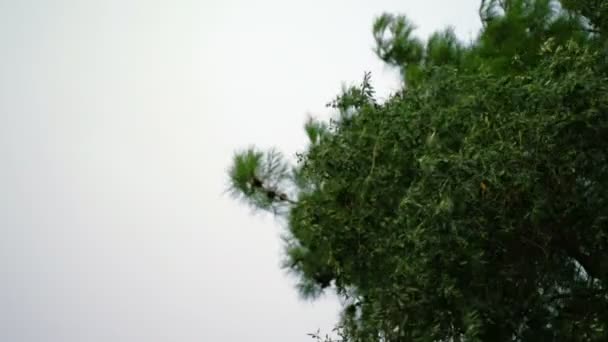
pixel 117 122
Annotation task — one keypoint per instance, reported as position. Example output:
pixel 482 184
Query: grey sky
pixel 117 122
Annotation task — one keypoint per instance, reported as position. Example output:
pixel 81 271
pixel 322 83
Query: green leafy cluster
pixel 473 204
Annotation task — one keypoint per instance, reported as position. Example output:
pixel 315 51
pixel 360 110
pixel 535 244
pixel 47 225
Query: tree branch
pixel 271 193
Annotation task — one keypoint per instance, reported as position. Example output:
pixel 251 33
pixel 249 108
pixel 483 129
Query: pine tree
pixel 472 205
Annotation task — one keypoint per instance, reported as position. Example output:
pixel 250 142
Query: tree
pixel 472 205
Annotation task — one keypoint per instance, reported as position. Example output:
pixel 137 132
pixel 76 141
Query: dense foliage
pixel 473 204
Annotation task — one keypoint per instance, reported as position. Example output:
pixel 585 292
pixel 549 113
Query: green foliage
pixel 473 204
pixel 316 130
pixel 395 43
pixel 260 179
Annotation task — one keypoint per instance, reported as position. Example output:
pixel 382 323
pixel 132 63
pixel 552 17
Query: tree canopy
pixel 472 205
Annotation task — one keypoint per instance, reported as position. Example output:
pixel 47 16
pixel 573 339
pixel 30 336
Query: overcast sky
pixel 117 122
